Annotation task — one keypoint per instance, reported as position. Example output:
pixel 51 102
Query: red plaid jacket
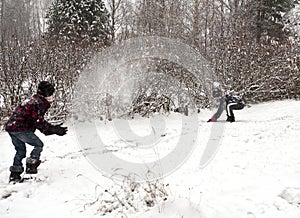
pixel 29 115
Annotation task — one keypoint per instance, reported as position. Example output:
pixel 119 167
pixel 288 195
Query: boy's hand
pixel 56 129
pixel 60 130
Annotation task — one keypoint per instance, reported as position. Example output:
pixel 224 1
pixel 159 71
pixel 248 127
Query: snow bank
pixel 250 176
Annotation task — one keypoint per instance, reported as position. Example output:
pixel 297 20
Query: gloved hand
pixel 212 119
pixel 56 129
pixel 61 130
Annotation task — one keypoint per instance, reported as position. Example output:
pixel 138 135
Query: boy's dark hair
pixel 45 89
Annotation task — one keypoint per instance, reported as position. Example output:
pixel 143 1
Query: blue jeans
pixel 19 139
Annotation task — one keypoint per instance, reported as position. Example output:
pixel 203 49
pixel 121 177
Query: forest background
pixel 252 46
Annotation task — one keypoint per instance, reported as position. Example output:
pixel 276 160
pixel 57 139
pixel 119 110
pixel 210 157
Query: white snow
pixel 255 174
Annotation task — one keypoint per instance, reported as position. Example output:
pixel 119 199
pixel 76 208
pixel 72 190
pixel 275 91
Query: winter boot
pixel 15 173
pixel 230 119
pixel 32 165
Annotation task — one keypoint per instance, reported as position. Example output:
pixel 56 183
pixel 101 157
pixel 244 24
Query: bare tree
pixel 1 21
pixel 21 20
pixel 114 7
pixel 126 26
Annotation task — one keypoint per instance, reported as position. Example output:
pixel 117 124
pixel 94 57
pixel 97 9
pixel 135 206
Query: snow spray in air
pixel 115 72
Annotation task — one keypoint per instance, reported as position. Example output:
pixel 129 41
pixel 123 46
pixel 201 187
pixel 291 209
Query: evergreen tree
pixel 293 21
pixel 81 21
pixel 269 17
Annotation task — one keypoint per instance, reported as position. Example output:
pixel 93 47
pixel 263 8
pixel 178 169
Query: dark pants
pixel 233 106
pixel 19 139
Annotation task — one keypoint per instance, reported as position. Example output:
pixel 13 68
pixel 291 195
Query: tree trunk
pixel 196 31
pixel 1 22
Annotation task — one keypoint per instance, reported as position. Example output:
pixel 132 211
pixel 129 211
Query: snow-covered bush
pixel 26 65
pixel 262 72
pixel 129 196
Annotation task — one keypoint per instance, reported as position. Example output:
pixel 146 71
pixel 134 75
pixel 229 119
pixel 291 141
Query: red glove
pixel 212 119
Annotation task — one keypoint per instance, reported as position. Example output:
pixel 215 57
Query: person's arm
pixel 45 127
pixel 38 113
pixel 220 110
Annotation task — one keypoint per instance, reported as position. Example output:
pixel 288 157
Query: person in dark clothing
pixel 25 119
pixel 232 103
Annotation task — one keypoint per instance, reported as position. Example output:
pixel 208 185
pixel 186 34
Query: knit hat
pixel 45 88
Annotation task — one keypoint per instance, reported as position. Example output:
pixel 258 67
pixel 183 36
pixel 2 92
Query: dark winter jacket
pixel 29 115
pixel 228 98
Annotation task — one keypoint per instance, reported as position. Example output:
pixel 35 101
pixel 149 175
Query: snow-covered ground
pixel 255 174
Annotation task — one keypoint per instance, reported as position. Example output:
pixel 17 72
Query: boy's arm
pixel 39 112
pixel 45 127
pixel 220 108
pixel 219 112
pixel 42 124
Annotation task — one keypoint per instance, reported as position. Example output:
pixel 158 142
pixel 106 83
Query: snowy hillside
pixel 255 173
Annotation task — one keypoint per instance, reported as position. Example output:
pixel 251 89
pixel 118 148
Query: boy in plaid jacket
pixel 23 122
